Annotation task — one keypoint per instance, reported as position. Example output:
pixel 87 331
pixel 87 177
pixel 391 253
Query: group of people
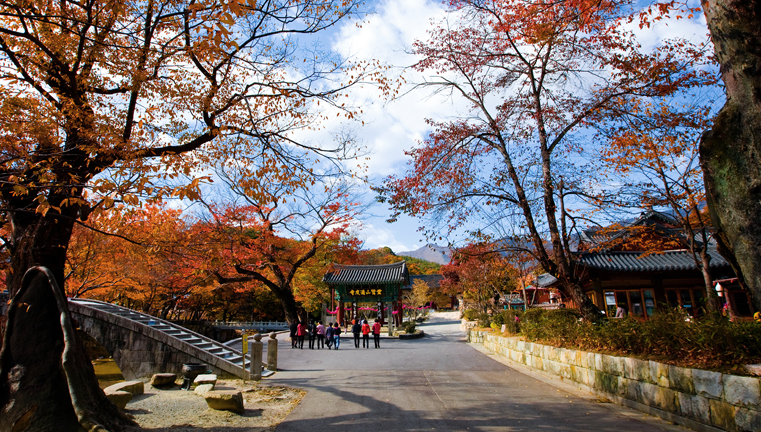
pixel 330 335
pixel 364 328
pixel 324 335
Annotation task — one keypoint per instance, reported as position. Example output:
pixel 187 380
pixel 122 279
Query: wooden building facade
pixel 615 273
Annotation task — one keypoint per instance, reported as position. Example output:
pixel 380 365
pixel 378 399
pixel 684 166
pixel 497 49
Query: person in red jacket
pixel 376 333
pixel 301 329
pixel 365 334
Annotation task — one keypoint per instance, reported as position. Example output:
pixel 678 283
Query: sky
pixel 391 127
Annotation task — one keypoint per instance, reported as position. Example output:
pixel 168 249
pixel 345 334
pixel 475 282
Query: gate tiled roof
pixel 396 273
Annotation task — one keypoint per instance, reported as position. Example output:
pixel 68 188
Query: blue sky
pixel 392 127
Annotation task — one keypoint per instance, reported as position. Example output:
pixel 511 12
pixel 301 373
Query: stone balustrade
pixel 699 399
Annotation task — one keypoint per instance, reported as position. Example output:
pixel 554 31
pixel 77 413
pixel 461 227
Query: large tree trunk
pixel 47 383
pixel 730 153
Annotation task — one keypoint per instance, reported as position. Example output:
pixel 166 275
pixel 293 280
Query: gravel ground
pixel 176 410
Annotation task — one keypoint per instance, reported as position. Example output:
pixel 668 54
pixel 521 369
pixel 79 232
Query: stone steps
pixel 177 332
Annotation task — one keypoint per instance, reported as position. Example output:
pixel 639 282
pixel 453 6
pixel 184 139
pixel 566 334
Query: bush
pixel 709 342
pixel 409 327
pixel 470 314
pixel 484 320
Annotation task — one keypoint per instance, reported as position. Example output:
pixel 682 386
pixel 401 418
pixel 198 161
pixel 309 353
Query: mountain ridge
pixel 430 252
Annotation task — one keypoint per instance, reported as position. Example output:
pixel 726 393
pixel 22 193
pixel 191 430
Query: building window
pixel 640 302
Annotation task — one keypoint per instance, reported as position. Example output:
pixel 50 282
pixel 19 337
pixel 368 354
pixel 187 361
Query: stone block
pixel 648 394
pixel 637 369
pixel 685 405
pixel 539 363
pixel 680 379
pixel 203 388
pixel 547 353
pixel 740 390
pixel 582 359
pixel 666 399
pixel 132 387
pixel 564 370
pixel 702 408
pixel 607 382
pixel 205 379
pixel 591 374
pixel 162 379
pixel 748 420
pixel 227 400
pixel 659 373
pixel 754 369
pixel 520 346
pixel 613 365
pixel 598 362
pixel 722 415
pixel 707 383
pixel 119 398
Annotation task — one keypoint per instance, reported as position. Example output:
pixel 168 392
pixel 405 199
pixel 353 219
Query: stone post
pixel 256 357
pixel 272 352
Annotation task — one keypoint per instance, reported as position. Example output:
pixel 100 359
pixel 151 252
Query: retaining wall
pixel 699 399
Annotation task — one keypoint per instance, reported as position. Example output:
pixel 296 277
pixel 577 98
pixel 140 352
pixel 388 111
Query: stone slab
pixel 205 379
pixel 119 398
pixel 754 369
pixel 707 383
pixel 739 390
pixel 203 388
pixel 224 400
pixel 133 387
pixel 162 379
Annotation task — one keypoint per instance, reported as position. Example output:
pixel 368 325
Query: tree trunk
pixel 730 153
pixel 48 384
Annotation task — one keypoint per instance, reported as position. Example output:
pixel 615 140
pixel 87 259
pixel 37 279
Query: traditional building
pixel 378 284
pixel 614 272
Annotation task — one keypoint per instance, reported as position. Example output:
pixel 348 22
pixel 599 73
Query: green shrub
pixel 484 320
pixel 708 342
pixel 409 327
pixel 470 314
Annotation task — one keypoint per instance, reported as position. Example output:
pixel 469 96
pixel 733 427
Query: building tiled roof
pixel 368 274
pixel 635 261
pixel 545 279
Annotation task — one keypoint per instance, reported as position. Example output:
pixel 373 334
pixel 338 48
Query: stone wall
pixel 699 399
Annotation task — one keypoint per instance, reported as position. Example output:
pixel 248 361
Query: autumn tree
pixel 106 101
pixel 417 296
pixel 537 78
pixel 479 272
pixel 655 158
pixel 729 151
pixel 280 239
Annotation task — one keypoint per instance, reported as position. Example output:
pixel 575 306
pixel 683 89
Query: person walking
pixel 301 329
pixel 320 335
pixel 294 328
pixel 356 328
pixel 336 335
pixel 376 333
pixel 365 334
pixel 329 335
pixel 312 332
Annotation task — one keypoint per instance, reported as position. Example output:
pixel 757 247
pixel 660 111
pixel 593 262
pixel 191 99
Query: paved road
pixel 437 383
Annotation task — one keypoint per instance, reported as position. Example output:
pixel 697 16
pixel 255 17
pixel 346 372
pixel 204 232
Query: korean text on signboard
pixel 366 292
